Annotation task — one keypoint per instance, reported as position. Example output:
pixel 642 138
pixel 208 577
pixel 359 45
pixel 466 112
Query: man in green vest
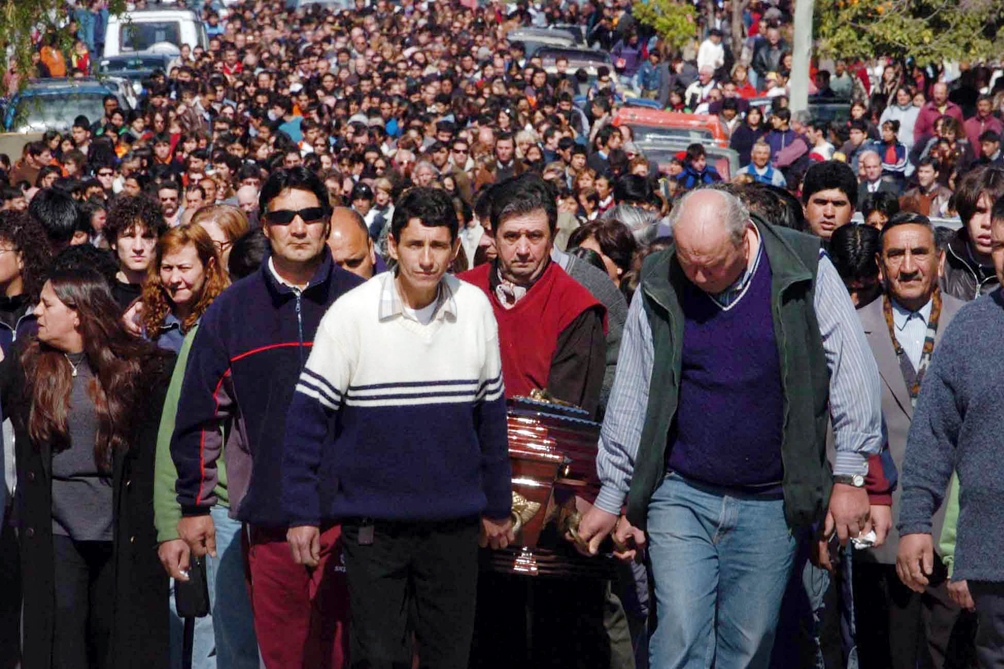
pixel 741 346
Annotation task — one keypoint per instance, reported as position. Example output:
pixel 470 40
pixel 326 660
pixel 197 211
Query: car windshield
pixel 576 58
pixel 131 64
pixel 644 133
pixel 142 36
pixel 44 112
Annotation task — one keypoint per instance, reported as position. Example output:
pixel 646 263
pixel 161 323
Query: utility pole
pixel 800 55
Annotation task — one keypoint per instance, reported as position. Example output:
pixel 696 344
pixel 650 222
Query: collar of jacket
pixel 787 268
pixel 280 292
pixel 959 250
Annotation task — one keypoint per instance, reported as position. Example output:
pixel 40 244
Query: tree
pixel 928 30
pixel 23 23
pixel 674 22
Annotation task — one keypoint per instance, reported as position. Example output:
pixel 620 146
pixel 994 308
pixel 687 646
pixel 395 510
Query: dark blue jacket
pixel 25 326
pixel 690 178
pixel 245 361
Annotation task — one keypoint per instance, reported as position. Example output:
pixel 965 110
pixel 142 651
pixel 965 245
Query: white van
pixel 136 31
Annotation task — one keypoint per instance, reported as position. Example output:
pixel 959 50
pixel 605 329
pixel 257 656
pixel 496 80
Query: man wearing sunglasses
pixel 249 351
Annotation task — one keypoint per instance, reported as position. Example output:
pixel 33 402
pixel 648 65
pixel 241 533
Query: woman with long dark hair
pixel 747 133
pixel 85 399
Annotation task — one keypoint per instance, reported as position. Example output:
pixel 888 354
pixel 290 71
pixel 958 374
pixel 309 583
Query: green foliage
pixel 928 30
pixel 21 21
pixel 674 22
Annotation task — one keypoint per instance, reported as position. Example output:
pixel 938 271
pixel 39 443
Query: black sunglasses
pixel 286 216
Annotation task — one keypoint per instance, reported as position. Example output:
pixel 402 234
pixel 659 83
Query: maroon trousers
pixel 301 616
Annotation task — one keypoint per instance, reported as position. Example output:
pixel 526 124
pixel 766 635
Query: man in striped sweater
pixel 398 427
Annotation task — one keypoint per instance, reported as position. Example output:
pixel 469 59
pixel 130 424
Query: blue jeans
pixel 225 638
pixel 816 582
pixel 720 562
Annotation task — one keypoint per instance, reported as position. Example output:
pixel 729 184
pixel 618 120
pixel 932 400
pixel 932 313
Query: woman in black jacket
pixel 746 134
pixel 85 399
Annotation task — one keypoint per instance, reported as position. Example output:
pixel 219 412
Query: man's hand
pixel 305 544
pixel 594 527
pixel 132 319
pixel 881 522
pixel 174 556
pixel 848 513
pixel 199 533
pixel 820 554
pixel 959 592
pixel 915 560
pixel 496 533
pixel 628 537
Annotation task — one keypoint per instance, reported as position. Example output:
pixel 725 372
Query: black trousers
pixel 10 598
pixel 413 578
pixel 84 581
pixel 542 622
pixel 901 629
pixel 989 600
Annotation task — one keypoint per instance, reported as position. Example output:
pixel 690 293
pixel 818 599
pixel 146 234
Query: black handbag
pixel 191 597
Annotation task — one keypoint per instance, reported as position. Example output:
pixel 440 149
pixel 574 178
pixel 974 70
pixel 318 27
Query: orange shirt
pixel 54 60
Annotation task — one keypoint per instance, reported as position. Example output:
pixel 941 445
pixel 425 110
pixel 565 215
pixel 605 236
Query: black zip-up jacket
pixel 247 356
pixel 965 278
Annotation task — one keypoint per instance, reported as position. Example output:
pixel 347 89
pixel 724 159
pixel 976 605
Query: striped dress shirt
pixel 855 392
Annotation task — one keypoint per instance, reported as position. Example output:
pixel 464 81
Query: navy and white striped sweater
pixel 397 420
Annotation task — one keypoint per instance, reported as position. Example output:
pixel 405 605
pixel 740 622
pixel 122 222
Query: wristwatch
pixel 856 480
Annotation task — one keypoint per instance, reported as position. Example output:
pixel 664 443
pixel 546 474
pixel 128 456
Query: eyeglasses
pixel 286 216
pixel 105 174
pixel 461 150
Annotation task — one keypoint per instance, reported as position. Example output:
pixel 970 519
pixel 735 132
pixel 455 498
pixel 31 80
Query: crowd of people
pixel 259 334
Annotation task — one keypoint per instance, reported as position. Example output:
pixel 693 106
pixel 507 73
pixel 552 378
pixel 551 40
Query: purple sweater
pixel 727 430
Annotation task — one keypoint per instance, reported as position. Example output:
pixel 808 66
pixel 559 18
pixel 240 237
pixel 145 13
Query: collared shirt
pixel 855 391
pixel 731 295
pixel 275 275
pixel 911 329
pixel 391 304
pixel 171 336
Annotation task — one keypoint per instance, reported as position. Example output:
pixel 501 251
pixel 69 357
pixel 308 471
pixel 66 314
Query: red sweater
pixel 528 333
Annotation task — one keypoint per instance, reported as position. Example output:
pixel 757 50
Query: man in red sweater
pixel 551 335
pixel 551 329
pixel 939 106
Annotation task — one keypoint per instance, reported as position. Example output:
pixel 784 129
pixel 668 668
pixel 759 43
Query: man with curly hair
pixel 132 228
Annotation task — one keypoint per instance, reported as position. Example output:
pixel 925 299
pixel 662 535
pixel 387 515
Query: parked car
pixel 534 39
pixel 654 125
pixel 131 73
pixel 143 30
pixel 661 152
pixel 134 66
pixel 578 58
pixel 53 104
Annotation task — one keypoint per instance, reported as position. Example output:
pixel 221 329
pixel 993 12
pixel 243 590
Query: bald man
pixel 738 340
pixel 350 243
pixel 247 199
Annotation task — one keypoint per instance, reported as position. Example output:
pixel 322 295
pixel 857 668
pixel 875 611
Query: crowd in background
pixel 118 235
